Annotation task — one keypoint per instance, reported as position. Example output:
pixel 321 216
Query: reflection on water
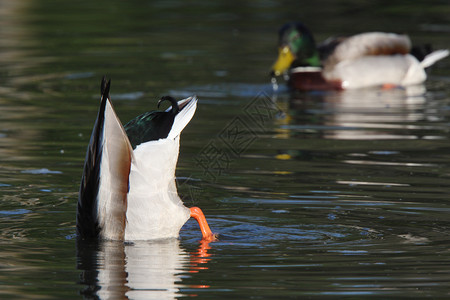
pixel 138 270
pixel 365 114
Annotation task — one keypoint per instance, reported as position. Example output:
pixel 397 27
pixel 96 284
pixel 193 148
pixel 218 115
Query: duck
pixel 128 190
pixel 363 60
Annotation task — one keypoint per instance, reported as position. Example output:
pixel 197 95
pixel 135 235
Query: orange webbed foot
pixel 198 215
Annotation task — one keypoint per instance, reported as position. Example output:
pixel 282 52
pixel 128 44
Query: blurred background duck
pixel 128 189
pixel 359 61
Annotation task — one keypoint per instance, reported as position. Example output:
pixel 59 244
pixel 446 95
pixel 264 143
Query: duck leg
pixel 198 215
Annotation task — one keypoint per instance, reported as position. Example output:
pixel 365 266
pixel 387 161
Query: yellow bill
pixel 284 61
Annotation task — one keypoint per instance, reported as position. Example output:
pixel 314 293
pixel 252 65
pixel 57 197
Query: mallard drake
pixel 128 189
pixel 362 60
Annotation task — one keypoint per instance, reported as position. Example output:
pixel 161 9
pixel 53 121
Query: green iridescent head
pixel 296 48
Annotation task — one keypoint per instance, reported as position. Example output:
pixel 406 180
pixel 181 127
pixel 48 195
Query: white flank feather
pixel 400 70
pixel 433 57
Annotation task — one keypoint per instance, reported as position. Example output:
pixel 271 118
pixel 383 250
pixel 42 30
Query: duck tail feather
pixel 184 116
pixel 433 57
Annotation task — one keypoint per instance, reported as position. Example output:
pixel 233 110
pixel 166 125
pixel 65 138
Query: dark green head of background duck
pixel 296 47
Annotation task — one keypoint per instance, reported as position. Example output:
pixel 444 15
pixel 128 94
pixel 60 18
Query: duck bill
pixel 284 60
pixel 198 215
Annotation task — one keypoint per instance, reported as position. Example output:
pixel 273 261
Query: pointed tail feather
pixel 104 88
pixel 184 116
pixel 87 213
pixel 433 57
pixel 103 192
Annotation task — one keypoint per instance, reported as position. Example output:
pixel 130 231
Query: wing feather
pixel 102 201
pixel 184 116
pixel 369 44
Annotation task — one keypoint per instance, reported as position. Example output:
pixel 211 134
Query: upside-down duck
pixel 128 190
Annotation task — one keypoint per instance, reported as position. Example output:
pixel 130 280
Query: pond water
pixel 320 195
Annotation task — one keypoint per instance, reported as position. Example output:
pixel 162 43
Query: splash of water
pixel 274 82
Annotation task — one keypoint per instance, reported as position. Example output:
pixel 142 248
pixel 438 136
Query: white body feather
pixel 155 210
pixel 368 71
pixel 365 60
